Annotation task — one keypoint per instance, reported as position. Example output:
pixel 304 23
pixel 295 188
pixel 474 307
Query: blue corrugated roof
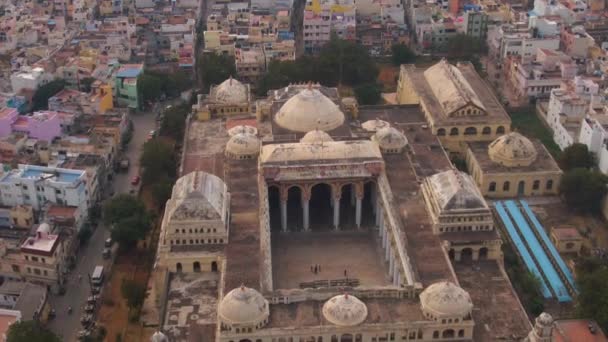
pixel 129 72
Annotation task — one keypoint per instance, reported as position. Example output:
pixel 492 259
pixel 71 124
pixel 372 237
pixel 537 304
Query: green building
pixel 125 88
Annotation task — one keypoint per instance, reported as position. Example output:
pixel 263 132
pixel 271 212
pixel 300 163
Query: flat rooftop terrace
pixel 358 253
pixel 423 247
pixel 379 310
pixel 496 311
pixel 204 148
pixel 191 306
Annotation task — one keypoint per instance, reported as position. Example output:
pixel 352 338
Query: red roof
pixel 577 330
pixel 237 122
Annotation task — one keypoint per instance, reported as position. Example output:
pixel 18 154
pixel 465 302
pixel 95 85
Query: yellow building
pixel 512 166
pixel 567 239
pixel 461 216
pixel 458 105
pixel 229 98
pixel 101 97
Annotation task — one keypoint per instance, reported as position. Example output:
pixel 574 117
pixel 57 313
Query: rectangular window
pixel 36 271
pixel 35 259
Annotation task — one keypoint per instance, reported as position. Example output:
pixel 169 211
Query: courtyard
pixel 357 252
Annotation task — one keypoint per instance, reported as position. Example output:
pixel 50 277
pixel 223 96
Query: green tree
pixel 85 84
pixel 122 207
pixel 576 156
pixel 402 54
pixel 133 292
pixel 149 87
pixel 40 100
pixel 174 121
pixel 368 94
pixel 583 189
pixel 27 331
pixel 158 161
pixel 130 230
pixel 85 233
pixel 161 191
pixel 592 301
pixel 464 47
pixel 214 69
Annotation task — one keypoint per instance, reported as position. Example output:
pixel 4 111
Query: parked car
pixel 135 180
pixel 107 253
pixel 108 242
pixel 92 299
pixel 89 308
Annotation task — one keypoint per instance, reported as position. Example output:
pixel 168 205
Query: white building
pixel 510 40
pixel 594 134
pixel 568 106
pixel 29 78
pixel 38 185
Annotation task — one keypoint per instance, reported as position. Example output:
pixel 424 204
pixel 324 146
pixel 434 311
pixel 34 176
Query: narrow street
pixel 67 325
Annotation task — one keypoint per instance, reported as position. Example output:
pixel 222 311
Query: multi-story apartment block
pixel 37 186
pixel 536 79
pixel 29 78
pixel 594 134
pixel 576 42
pixel 520 40
pixel 250 63
pixel 40 258
pixel 125 85
pixel 322 17
pixel 476 24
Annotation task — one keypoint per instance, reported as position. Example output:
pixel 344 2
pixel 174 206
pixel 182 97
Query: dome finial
pixel 310 85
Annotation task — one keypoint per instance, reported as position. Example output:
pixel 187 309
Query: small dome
pixel 374 125
pixel 231 91
pixel 309 110
pixel 243 306
pixel 389 138
pixel 44 228
pixel 445 299
pixel 345 310
pixel 544 319
pixel 159 337
pixel 316 136
pixel 512 149
pixel 243 145
pixel 242 129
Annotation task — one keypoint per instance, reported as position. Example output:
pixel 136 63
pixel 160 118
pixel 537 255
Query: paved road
pixel 67 325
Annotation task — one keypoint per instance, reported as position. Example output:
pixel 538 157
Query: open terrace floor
pixel 357 252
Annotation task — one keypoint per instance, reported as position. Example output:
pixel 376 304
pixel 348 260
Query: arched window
pixel 486 131
pixel 536 185
pixel 506 186
pixel 470 131
pixel 500 130
pixel 447 334
pixel 549 184
pixel 454 131
pixel 461 333
pixel 441 132
pixel 435 334
pixel 492 187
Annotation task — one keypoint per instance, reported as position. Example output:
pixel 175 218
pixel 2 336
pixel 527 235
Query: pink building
pixel 7 117
pixel 43 125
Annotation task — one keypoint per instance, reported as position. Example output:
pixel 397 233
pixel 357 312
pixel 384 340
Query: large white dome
pixel 243 306
pixel 446 299
pixel 345 310
pixel 242 129
pixel 374 125
pixel 512 149
pixel 309 110
pixel 231 91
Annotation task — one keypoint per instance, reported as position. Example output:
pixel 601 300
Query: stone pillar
pixel 336 213
pixel 379 217
pixel 284 215
pixel 475 254
pixel 456 255
pixel 306 216
pixel 358 212
pixel 391 264
pixel 396 274
pixel 387 249
pixel 384 237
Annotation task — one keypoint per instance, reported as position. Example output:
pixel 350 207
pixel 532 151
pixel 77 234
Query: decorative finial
pixel 345 295
pixel 242 287
pixel 310 85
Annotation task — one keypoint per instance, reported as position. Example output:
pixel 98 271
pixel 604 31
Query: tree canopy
pixel 464 47
pixel 133 292
pixel 339 62
pixel 214 69
pixel 152 84
pixel 27 331
pixel 158 161
pixel 130 230
pixel 121 207
pixel 40 100
pixel 368 94
pixel 592 301
pixel 576 156
pixel 174 121
pixel 402 54
pixel 583 189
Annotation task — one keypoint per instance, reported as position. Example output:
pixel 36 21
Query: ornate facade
pixel 456 102
pixel 229 98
